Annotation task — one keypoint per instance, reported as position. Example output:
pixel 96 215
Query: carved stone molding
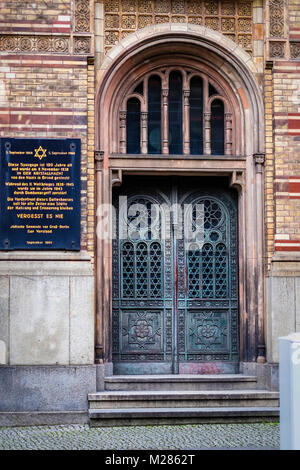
pixel 277 49
pixel 186 96
pixel 276 12
pixel 144 125
pixel 34 44
pixel 116 177
pixel 82 16
pixel 231 17
pixel 82 45
pixel 237 180
pixel 99 154
pixel 228 133
pixel 122 117
pixel 295 50
pixel 43 44
pixel 207 135
pixel 259 160
pixel 98 354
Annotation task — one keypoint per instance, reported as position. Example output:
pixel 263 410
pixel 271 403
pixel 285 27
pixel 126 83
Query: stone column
pixel 99 33
pixel 107 265
pixel 103 346
pixel 144 128
pixel 165 121
pixel 186 122
pixel 228 134
pixel 207 137
pixel 123 115
pixel 259 160
pixel 99 276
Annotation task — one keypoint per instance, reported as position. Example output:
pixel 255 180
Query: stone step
pixel 182 399
pixel 147 416
pixel 180 382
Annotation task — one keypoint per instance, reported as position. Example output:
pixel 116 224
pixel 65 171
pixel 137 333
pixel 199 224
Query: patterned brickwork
pixel 232 18
pixel 287 155
pixel 282 119
pixel 269 164
pixel 44 97
pixel 258 29
pixel 34 43
pixel 277 29
pixel 40 15
pixel 47 27
pixel 294 17
pixel 90 159
pixel 47 83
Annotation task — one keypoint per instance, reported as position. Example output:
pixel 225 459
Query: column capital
pixel 123 114
pixel 259 160
pixel 99 155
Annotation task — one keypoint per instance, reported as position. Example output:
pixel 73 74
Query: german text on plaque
pixel 40 194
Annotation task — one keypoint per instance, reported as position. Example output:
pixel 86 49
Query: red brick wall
pixel 44 78
pixel 286 79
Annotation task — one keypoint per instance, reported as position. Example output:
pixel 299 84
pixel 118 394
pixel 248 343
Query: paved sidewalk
pixel 185 437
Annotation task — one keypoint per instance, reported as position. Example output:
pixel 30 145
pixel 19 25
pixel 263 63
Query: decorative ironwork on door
pixel 175 304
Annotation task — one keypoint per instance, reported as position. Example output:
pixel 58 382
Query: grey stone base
pixel 44 395
pixel 46 388
pixel 50 418
pixel 102 371
pixel 172 416
pixel 267 374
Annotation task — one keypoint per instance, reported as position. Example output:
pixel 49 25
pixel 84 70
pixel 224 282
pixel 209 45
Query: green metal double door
pixel 175 291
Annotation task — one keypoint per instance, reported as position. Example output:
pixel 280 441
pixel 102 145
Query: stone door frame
pixel 245 170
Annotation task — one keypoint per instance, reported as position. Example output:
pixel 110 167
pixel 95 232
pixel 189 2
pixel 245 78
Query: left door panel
pixel 142 283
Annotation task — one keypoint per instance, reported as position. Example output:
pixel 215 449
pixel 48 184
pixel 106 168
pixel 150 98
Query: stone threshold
pixel 181 378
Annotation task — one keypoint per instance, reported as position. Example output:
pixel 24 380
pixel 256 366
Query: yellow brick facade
pixel 64 68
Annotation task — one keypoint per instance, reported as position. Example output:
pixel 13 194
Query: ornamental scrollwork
pixel 233 18
pixel 295 50
pixel 276 11
pixel 277 49
pixel 82 45
pixel 82 15
pixel 34 44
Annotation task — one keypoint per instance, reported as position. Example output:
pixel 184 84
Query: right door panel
pixel 208 286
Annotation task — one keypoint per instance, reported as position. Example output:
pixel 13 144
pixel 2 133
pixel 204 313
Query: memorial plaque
pixel 40 194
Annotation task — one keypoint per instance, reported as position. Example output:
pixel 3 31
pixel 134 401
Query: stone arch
pixel 199 43
pixel 134 57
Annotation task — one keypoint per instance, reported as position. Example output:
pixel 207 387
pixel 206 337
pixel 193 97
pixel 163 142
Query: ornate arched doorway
pixel 179 113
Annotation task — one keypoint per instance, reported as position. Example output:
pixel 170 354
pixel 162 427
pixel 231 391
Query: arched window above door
pixel 176 110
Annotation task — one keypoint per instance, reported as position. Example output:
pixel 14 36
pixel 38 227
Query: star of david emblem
pixel 40 152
